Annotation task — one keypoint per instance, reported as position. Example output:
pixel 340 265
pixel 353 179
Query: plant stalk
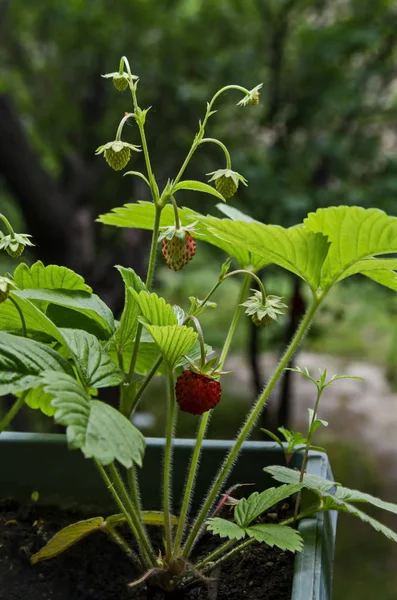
pixel 248 426
pixel 167 475
pixel 23 322
pixel 189 488
pixel 15 408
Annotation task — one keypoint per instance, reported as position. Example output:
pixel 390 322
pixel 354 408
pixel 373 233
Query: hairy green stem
pixel 23 322
pixel 167 476
pixel 306 452
pixel 15 408
pixel 118 539
pixel 176 213
pixel 248 426
pixel 257 279
pixel 131 511
pixel 221 145
pixel 8 225
pixel 121 125
pixel 189 488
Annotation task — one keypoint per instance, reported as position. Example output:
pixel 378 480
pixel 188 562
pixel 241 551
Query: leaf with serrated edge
pixel 285 538
pixel 248 509
pixel 333 503
pixel 50 277
pixel 38 399
pixel 66 537
pixel 141 215
pixel 22 362
pixel 234 214
pixel 225 528
pixel 126 330
pixel 296 249
pixel 355 234
pixel 348 495
pixel 95 365
pixel 174 341
pixel 312 482
pixel 155 309
pixel 99 430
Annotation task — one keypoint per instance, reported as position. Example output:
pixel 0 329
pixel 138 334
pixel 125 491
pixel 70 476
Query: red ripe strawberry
pixel 179 250
pixel 196 393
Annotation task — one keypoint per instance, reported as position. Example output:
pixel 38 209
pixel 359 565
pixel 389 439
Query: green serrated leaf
pixel 312 482
pixel 357 235
pixel 248 509
pixel 234 214
pixel 348 495
pixel 49 277
pixel 154 309
pixel 95 365
pixel 198 186
pixel 334 503
pixel 173 341
pixel 39 400
pixel 67 537
pixel 22 361
pixel 225 528
pixel 99 430
pixel 297 249
pixel 285 538
pixel 89 304
pixel 126 330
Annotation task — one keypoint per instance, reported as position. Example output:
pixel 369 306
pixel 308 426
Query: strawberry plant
pixel 60 345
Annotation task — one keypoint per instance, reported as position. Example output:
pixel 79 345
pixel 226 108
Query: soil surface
pixel 96 569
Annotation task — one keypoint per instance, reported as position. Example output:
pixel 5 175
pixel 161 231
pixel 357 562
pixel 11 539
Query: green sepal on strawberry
pixel 227 181
pixel 15 244
pixel 178 247
pixel 117 153
pixel 263 313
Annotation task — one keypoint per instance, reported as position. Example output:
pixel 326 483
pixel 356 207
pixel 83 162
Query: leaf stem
pixel 15 408
pixel 118 539
pixel 248 426
pixel 23 322
pixel 221 145
pixel 257 279
pixel 167 475
pixel 8 225
pixel 189 488
pixel 130 510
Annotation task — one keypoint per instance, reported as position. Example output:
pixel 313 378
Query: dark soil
pixel 96 569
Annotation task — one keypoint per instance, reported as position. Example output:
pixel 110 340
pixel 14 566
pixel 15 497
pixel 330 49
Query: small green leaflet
pixel 334 503
pixel 348 495
pixel 38 399
pixel 312 482
pixel 225 528
pixel 149 517
pixel 248 509
pixel 95 365
pixel 126 330
pixel 154 308
pixel 285 538
pixel 99 430
pixel 51 277
pixel 198 186
pixel 22 362
pixel 66 537
pixel 174 341
pixel 281 536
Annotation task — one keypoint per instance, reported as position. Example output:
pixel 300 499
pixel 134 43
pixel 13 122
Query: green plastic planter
pixel 35 462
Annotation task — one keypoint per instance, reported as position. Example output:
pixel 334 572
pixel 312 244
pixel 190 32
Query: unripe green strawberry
pixel 226 181
pixel 266 320
pixel 197 393
pixel 263 312
pixel 15 245
pixel 117 153
pixel 120 82
pixel 179 250
pixel 117 159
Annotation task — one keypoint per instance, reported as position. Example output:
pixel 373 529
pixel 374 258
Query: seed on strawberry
pixel 197 393
pixel 179 250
